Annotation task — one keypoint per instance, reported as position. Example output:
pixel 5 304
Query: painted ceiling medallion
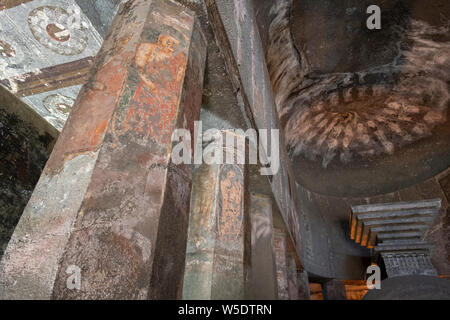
pixel 325 132
pixel 61 31
pixel 58 105
pixel 58 32
pixel 12 58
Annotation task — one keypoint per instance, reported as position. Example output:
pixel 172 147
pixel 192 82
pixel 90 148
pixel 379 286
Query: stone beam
pixel 54 77
pixel 217 264
pixel 6 4
pixel 111 209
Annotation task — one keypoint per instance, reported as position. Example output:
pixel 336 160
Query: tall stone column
pixel 263 281
pixel 108 218
pixel 217 265
pixel 304 292
pixel 334 290
pixel 292 277
pixel 281 264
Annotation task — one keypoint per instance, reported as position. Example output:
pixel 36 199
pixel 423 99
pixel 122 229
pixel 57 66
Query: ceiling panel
pixel 47 48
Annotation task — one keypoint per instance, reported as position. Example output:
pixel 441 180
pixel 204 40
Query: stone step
pixel 406 246
pixel 367 222
pixel 396 206
pixel 400 235
pixel 362 233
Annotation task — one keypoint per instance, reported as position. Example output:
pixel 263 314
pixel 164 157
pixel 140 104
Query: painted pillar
pixel 334 290
pixel 108 218
pixel 281 264
pixel 216 257
pixel 263 267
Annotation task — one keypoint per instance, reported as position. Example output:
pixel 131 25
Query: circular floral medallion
pixel 12 59
pixel 58 105
pixel 59 30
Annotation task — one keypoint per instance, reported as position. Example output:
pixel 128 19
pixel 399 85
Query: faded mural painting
pixel 46 50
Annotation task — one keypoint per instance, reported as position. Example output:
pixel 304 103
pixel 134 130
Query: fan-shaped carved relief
pixel 351 116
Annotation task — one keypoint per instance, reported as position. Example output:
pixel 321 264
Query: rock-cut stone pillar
pixel 108 218
pixel 217 256
pixel 281 264
pixel 304 291
pixel 263 284
pixel 292 274
pixel 334 290
pixel 286 268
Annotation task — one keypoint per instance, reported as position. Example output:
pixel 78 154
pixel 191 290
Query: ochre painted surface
pixel 126 229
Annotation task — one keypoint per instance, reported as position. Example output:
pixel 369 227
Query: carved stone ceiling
pixel 364 111
pixel 47 48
